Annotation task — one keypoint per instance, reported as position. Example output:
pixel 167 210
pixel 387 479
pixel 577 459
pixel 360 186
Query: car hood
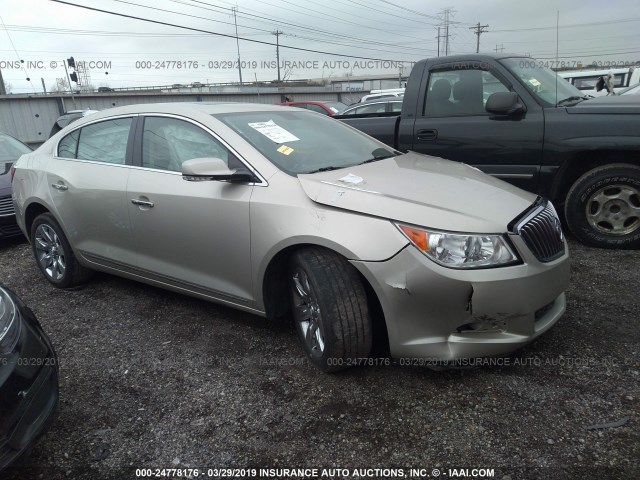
pixel 618 104
pixel 421 190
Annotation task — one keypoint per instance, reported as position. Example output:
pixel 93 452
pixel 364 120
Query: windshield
pixel 541 81
pixel 300 142
pixel 11 149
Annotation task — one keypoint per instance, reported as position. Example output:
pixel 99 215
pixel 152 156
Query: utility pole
pixel 446 34
pixel 447 13
pixel 478 30
pixel 277 33
pixel 234 10
pixel 501 47
pixel 438 37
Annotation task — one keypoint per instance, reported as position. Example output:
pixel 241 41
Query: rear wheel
pixel 330 309
pixel 603 207
pixel 54 255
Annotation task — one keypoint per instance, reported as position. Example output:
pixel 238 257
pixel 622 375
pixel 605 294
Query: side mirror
pixel 203 169
pixel 504 103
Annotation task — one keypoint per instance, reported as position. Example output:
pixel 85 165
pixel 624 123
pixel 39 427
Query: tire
pixel 602 208
pixel 54 255
pixel 330 309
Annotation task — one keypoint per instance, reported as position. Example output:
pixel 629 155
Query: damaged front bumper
pixel 439 313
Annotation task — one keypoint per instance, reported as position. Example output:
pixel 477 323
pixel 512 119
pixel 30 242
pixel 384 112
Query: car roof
pixel 378 100
pixel 299 102
pixel 186 108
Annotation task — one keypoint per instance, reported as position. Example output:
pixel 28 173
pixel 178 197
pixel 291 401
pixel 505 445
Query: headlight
pixel 460 250
pixel 9 323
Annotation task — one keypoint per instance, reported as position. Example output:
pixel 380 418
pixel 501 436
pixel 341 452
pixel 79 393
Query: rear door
pixel 88 183
pixel 452 123
pixel 194 235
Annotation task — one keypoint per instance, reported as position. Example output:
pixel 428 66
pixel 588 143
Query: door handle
pixel 427 135
pixel 60 187
pixel 142 203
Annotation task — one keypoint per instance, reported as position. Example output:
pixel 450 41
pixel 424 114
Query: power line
pixel 18 57
pixel 148 20
pixel 305 28
pixel 387 12
pixel 590 24
pixel 386 22
pixel 386 31
pixel 404 8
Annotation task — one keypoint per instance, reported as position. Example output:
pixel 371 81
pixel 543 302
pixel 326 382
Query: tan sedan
pixel 287 213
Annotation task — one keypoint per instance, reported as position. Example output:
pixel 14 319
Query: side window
pixel 167 142
pixel 317 108
pixel 438 100
pixel 373 108
pixel 68 146
pixel 491 84
pixel 460 92
pixel 396 106
pixel 105 141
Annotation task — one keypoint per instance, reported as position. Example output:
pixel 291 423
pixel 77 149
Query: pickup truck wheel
pixel 603 207
pixel 330 309
pixel 54 255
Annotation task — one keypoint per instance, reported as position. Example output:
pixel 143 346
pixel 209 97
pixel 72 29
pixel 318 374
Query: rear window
pixel 100 142
pixel 300 142
pixel 11 149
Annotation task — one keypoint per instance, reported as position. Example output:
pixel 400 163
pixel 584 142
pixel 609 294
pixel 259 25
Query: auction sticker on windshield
pixel 283 149
pixel 274 132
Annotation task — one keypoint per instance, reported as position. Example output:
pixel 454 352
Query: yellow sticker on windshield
pixel 285 150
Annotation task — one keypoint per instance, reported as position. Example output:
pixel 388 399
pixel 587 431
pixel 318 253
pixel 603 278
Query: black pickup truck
pixel 516 120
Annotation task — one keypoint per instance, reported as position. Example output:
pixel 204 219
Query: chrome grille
pixel 6 206
pixel 542 232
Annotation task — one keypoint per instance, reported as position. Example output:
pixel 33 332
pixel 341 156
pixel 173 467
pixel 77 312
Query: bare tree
pixel 59 87
pixel 7 87
pixel 287 74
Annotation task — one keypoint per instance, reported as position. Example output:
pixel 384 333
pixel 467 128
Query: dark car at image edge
pixel 28 379
pixel 10 150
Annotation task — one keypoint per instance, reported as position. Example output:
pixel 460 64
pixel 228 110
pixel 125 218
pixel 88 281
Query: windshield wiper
pixel 574 98
pixel 375 159
pixel 379 154
pixel 324 169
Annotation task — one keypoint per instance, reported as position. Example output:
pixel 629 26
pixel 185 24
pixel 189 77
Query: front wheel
pixel 602 208
pixel 330 309
pixel 54 255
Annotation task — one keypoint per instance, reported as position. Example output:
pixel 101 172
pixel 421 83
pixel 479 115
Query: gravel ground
pixel 152 379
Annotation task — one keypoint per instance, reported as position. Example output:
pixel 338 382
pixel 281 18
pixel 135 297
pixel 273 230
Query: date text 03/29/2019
pixel 299 473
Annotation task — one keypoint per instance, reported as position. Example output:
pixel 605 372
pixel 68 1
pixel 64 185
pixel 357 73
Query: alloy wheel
pixel 307 313
pixel 50 252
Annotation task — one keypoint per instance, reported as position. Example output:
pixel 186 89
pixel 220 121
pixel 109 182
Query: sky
pixel 334 38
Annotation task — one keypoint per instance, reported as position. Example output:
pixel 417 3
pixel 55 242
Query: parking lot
pixel 153 379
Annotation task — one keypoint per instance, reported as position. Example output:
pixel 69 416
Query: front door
pixel 193 235
pixel 455 125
